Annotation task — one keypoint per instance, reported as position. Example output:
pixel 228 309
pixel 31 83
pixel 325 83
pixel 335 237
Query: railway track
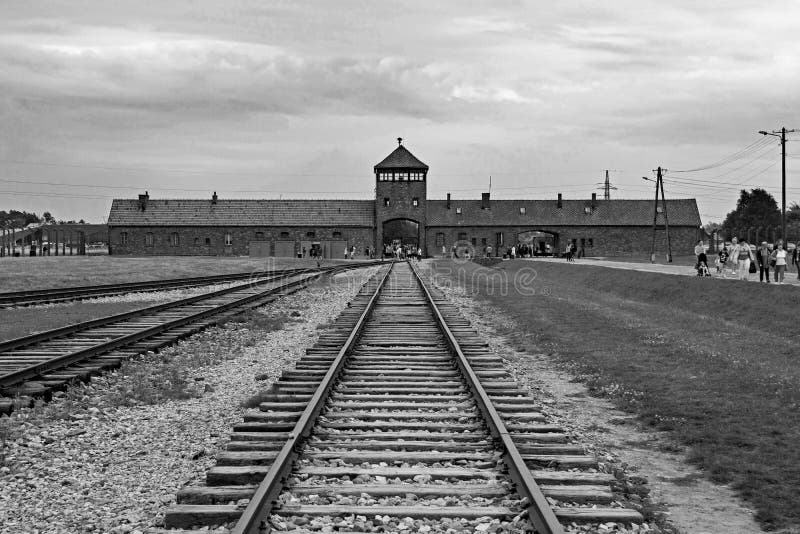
pixel 399 420
pixel 36 365
pixel 64 294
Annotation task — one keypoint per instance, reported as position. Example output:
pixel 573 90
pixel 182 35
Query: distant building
pixel 400 214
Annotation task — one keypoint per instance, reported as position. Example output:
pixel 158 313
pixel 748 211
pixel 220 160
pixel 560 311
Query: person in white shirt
pixel 779 255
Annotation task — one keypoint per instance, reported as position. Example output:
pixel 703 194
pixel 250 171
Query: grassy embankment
pixel 17 274
pixel 713 362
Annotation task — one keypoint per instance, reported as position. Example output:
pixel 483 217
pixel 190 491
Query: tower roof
pixel 401 158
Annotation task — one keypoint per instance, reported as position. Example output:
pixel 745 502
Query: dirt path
pixel 691 504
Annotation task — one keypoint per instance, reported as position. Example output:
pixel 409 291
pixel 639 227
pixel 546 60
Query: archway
pixel 537 243
pixel 403 232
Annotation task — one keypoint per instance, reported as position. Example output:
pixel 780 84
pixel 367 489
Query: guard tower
pixel 400 206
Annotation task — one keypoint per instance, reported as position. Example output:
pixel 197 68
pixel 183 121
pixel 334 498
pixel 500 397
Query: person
pixel 573 248
pixel 304 252
pixel 698 249
pixel 796 259
pixel 763 257
pixel 444 251
pixel 780 262
pixel 744 256
pixel 733 256
pixel 568 252
pixel 722 259
pixel 419 253
pixel 513 254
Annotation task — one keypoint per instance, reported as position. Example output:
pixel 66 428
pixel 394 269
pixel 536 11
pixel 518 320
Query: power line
pixel 755 145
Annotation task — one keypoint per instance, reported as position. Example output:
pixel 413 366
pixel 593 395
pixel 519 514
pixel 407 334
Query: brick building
pixel 400 213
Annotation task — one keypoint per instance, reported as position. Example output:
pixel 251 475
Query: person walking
pixel 744 258
pixel 513 255
pixel 722 259
pixel 780 263
pixel 763 257
pixel 698 249
pixel 568 252
pixel 733 256
pixel 796 259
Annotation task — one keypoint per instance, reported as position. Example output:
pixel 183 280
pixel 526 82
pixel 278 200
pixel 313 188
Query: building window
pixel 208 241
pixel 196 241
pixel 415 202
pixel 123 238
pixel 522 210
pixel 174 239
pixel 590 242
pixel 337 234
pixel 498 239
pixel 474 241
pixel 483 241
pixel 149 240
pixel 439 239
pixel 462 236
pixel 385 202
pixel 284 235
pixel 259 235
pixel 587 210
pixel 311 234
pixel 401 176
pixel 458 211
pixel 228 239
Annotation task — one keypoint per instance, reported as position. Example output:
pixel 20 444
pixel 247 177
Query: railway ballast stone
pixel 84 464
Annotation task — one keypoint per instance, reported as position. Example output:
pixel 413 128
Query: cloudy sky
pixel 107 98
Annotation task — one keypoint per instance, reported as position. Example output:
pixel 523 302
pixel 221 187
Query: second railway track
pixel 399 420
pixel 37 364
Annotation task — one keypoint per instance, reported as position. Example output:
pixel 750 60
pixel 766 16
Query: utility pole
pixel 782 135
pixel 660 187
pixel 607 187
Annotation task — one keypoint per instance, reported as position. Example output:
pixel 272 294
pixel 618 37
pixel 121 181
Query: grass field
pixel 18 274
pixel 712 361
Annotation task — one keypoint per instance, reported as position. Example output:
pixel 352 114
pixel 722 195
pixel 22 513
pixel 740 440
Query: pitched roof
pixel 237 212
pixel 681 212
pixel 401 158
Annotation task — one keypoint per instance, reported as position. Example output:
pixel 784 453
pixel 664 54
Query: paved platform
pixel 679 270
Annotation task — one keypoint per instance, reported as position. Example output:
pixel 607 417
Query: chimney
pixel 484 201
pixel 559 201
pixel 594 201
pixel 448 200
pixel 143 200
pixel 214 198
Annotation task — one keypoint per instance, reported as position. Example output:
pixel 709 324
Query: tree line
pixel 20 219
pixel 758 211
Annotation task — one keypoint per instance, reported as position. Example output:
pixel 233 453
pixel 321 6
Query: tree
pixel 711 227
pixel 793 214
pixel 756 209
pixel 48 217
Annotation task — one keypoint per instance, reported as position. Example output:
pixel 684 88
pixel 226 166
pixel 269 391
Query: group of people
pixel 401 252
pixel 741 260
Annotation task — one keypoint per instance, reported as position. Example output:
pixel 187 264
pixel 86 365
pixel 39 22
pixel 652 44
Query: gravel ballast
pixel 96 459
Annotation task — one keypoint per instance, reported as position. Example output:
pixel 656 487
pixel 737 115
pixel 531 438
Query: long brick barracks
pixel 401 213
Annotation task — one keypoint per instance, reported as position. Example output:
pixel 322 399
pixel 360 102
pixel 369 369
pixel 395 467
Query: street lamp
pixel 781 134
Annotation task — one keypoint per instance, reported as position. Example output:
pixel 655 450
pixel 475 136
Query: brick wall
pixel 606 240
pixel 400 195
pixel 192 239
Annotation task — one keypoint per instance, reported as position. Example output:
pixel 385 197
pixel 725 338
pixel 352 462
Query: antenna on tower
pixel 607 187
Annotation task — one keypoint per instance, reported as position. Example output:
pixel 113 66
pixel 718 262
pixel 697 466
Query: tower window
pixel 259 235
pixel 228 239
pixel 337 234
pixel 386 202
pixel 415 202
pixel 522 210
pixel 208 241
pixel 284 235
pixel 311 234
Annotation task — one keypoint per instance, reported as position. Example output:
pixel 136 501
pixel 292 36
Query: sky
pixel 300 99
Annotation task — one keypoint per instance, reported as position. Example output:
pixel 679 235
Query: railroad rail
pixel 399 419
pixel 37 364
pixel 63 294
